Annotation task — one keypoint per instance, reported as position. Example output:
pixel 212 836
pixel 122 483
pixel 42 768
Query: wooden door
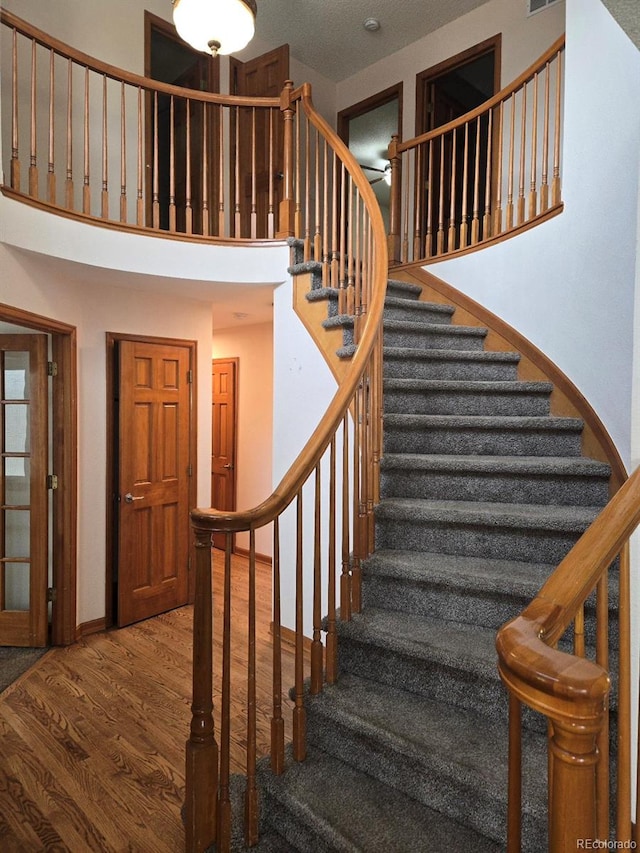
pixel 154 425
pixel 223 437
pixel 264 77
pixel 24 505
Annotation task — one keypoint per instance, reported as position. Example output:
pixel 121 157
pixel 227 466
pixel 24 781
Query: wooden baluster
pixel 623 787
pixel 222 231
pixel 395 202
pixel 578 632
pixel 486 220
pixel 155 204
pixel 299 711
pixel 15 152
pixel 140 181
pixel 335 252
pixel 358 510
pixel 188 206
pixel 326 257
pixel 555 182
pixel 68 189
pixel 316 643
pixel 428 238
pixel 440 232
pixel 533 184
pixel 307 192
pixel 51 175
pixel 475 222
pixel 514 796
pixel 497 214
pixel 271 221
pixel 104 196
pixel 332 640
pixel 318 253
pixel 277 722
pixel 373 456
pixel 464 223
pixel 523 147
pixel 86 191
pixel 512 134
pixel 345 578
pixel 287 208
pixel 342 295
pixel 405 221
pixel 33 159
pixel 297 223
pixel 251 791
pixel 224 801
pixel 350 225
pixel 254 193
pixel 206 222
pixel 602 740
pixel 418 196
pixel 123 155
pixel 544 185
pixel 357 271
pixel 451 241
pixel 202 749
pixel 172 167
pixel 237 217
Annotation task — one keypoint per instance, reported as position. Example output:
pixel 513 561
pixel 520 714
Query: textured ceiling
pixel 329 36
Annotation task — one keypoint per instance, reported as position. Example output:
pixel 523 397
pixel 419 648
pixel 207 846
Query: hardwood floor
pixel 92 738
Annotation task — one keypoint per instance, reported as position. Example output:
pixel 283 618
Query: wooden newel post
pixel 395 208
pixel 201 773
pixel 572 788
pixel 286 227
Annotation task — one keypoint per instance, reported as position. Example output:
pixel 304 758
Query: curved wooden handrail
pixel 208 519
pixel 121 75
pixel 492 102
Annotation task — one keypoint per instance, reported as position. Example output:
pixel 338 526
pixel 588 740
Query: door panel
pixel 153 470
pixel 223 447
pixel 24 506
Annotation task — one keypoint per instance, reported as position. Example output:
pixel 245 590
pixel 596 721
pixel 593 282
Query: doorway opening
pixel 38 480
pixel 224 428
pixel 366 128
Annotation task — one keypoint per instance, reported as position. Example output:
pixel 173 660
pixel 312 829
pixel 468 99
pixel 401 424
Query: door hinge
pixel 189 377
pixel 52 481
pixel 52 594
pixel 52 368
pixel 188 564
pixel 189 470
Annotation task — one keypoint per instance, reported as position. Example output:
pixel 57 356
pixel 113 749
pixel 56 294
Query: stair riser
pixel 420 402
pixel 411 368
pixel 397 290
pixel 461 604
pixel 418 338
pixel 415 314
pixel 501 488
pixel 471 805
pixel 474 540
pixel 460 441
pixel 300 836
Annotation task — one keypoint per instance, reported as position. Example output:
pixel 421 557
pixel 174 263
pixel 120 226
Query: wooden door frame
pixel 111 339
pixel 154 22
pixel 366 106
pixel 64 434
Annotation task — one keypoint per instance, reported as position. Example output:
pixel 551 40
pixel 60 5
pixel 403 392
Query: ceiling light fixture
pixel 215 26
pixel 372 24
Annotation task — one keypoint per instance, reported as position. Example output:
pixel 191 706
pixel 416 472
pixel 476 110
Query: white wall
pixel 568 285
pixel 253 347
pixel 524 39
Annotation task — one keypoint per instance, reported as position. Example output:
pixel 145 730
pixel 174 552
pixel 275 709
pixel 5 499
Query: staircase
pixel 482 494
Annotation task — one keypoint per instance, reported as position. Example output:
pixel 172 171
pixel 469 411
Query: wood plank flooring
pixel 92 738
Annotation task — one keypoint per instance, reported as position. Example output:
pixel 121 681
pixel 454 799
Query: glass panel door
pixel 23 490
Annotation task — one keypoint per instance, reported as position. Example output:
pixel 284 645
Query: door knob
pixel 129 498
pixel 228 465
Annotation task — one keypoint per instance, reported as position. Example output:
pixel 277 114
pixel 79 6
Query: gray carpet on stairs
pixel 482 493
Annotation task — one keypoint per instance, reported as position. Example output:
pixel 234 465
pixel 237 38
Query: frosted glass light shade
pixel 215 26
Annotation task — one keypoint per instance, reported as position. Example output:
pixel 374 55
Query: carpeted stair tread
pixel 464 386
pixel 399 308
pixel 502 422
pixel 403 289
pixel 435 328
pixel 540 517
pixel 565 465
pixel 344 811
pixel 396 728
pixel 341 321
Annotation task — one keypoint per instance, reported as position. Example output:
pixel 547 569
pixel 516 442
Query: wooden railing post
pixel 393 239
pixel 572 797
pixel 202 749
pixel 286 224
